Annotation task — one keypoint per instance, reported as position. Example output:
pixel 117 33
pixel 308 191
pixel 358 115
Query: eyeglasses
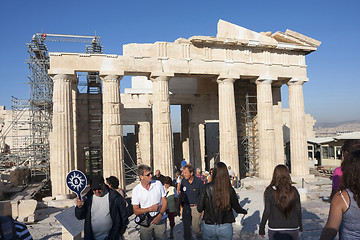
pixel 148 175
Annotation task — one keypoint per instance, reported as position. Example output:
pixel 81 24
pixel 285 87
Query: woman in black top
pixel 217 200
pixel 282 207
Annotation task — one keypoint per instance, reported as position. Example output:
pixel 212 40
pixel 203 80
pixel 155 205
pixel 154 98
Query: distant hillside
pixel 331 129
pixel 338 124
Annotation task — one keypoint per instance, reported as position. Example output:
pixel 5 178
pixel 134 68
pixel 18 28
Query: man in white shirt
pixel 149 197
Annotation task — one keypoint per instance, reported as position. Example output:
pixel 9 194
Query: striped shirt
pixel 22 232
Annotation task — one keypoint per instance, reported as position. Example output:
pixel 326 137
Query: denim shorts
pixel 219 232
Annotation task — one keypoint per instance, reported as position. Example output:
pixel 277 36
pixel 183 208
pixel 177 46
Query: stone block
pixel 61 196
pixel 64 203
pixel 20 176
pixel 66 235
pixel 5 208
pixel 15 206
pixel 31 218
pixel 47 199
pixel 27 207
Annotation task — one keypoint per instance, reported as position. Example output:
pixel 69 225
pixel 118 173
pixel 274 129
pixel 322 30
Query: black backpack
pixel 7 229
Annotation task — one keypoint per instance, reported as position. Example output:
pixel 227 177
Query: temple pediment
pixel 235 33
pixel 232 31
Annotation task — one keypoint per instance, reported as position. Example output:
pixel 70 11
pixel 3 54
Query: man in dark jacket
pixel 104 212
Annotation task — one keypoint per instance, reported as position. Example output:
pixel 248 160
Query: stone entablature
pixel 281 55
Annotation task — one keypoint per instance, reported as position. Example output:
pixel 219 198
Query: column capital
pixel 296 81
pixel 264 80
pixel 277 83
pixel 226 80
pixel 157 76
pixel 111 78
pixel 228 76
pixel 65 78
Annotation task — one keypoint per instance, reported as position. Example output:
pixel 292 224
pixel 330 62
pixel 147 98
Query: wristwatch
pixel 162 214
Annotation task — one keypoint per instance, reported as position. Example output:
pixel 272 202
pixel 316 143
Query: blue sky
pixel 331 95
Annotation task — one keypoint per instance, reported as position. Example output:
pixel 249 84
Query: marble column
pixel 185 132
pixel 229 152
pixel 202 163
pixel 74 92
pixel 144 141
pixel 278 124
pixel 62 134
pixel 298 144
pixel 162 135
pixel 266 135
pixel 113 151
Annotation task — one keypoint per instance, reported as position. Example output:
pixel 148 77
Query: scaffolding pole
pixel 250 138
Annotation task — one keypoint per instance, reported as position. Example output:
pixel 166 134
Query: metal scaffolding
pixel 32 118
pixel 40 104
pixel 250 138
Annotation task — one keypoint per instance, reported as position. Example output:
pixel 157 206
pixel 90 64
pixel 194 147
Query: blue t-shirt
pixel 191 191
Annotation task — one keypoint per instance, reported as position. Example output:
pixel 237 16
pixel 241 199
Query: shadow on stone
pixel 250 223
pixel 245 201
pixel 312 224
pixel 44 213
pixel 50 236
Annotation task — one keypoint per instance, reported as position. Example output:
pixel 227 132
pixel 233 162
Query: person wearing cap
pixel 113 182
pixel 104 211
pixel 190 190
pixel 149 196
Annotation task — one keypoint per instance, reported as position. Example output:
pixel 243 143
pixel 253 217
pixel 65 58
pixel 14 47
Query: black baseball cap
pixel 96 182
pixel 113 182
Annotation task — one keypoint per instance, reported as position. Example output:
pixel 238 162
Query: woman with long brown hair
pixel 282 207
pixel 217 200
pixel 345 205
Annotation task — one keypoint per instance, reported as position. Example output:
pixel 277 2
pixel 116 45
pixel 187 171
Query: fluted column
pixel 62 135
pixel 162 136
pixel 74 92
pixel 229 152
pixel 278 124
pixel 185 132
pixel 113 153
pixel 144 141
pixel 202 163
pixel 266 136
pixel 298 144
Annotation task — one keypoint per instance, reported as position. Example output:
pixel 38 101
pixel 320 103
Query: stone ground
pixel 315 213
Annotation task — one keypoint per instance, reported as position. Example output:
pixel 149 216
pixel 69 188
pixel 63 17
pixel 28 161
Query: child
pixel 172 198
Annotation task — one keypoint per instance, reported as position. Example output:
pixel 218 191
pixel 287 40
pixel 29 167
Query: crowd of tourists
pixel 207 202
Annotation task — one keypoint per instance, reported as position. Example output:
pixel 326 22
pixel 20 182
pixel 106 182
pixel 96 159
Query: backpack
pixel 7 228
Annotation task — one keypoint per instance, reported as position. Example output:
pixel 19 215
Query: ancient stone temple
pixel 209 77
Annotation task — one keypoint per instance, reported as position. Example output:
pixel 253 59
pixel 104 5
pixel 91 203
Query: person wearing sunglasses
pixel 104 211
pixel 149 197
